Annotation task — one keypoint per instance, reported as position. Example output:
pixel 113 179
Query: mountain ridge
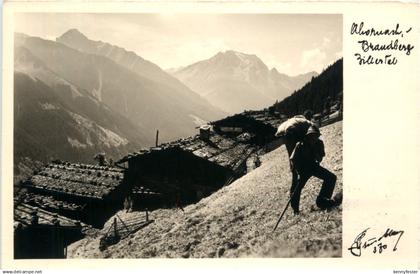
pixel 232 74
pixel 48 126
pixel 93 90
pixel 128 59
pixel 113 83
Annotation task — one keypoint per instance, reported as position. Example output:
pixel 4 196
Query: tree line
pixel 319 94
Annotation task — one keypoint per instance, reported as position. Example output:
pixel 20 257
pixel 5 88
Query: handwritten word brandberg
pixel 392 45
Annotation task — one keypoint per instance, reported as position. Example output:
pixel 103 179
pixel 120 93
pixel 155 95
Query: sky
pixel 293 44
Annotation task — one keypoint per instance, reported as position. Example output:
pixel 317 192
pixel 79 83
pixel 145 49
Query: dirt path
pixel 237 221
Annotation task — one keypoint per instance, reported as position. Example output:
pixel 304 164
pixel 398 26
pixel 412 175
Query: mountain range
pixel 235 81
pixel 70 103
pixel 75 97
pixel 129 60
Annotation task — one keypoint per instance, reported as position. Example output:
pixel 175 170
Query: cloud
pixel 282 67
pixel 313 59
pixel 323 54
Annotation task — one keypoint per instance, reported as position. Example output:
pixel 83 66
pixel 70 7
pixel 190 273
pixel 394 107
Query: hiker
pixel 305 160
pixel 292 131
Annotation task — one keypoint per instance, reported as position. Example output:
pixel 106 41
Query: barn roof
pixel 78 180
pixel 263 117
pixel 48 202
pixel 24 212
pixel 226 152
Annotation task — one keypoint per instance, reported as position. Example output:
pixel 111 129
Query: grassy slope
pixel 237 221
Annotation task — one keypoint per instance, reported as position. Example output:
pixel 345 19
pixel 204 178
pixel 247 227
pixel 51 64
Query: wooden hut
pixel 83 192
pixel 186 170
pixel 260 125
pixel 41 234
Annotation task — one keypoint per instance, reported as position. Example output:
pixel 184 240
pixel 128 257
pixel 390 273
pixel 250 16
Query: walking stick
pixel 287 205
pixel 281 216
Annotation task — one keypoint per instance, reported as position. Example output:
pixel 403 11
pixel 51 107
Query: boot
pixel 338 198
pixel 325 203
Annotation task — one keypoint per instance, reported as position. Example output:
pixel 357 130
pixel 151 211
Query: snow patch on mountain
pixel 98 92
pixel 112 139
pixel 197 120
pixel 48 106
pixel 75 143
pixel 106 137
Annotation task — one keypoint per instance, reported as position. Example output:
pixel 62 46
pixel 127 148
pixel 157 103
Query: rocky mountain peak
pixel 73 34
pixel 236 58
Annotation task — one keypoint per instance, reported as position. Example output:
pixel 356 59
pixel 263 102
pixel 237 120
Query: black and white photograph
pixel 177 135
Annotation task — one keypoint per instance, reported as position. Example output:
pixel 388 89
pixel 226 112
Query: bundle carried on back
pixel 294 127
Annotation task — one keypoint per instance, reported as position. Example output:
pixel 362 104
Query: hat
pixel 313 130
pixel 308 114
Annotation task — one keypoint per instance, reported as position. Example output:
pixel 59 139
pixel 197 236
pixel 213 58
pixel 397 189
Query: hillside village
pixel 72 198
pixel 237 220
pixel 70 208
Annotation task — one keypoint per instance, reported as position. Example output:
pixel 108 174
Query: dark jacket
pixel 306 155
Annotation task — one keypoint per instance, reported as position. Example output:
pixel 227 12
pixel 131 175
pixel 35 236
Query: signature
pixel 377 243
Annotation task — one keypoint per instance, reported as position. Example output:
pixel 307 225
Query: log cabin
pixel 186 170
pixel 88 193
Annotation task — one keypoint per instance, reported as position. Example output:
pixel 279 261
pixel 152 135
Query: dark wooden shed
pixel 188 169
pixel 41 234
pixel 261 125
pixel 88 193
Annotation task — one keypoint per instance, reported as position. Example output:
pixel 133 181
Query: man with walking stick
pixel 305 162
pixel 293 131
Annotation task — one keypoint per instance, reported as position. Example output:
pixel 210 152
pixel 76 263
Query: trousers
pixel 323 200
pixel 290 146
